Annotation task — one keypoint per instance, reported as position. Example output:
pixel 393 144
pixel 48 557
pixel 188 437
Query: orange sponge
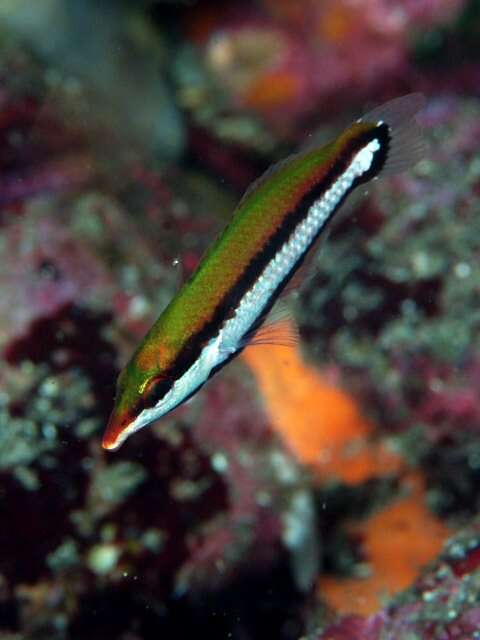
pixel 397 542
pixel 320 423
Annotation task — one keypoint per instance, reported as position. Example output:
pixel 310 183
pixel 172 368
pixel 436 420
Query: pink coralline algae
pixel 44 270
pixel 355 627
pixel 283 62
pixel 40 155
pixel 428 13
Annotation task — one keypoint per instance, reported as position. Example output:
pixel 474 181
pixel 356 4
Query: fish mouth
pixel 116 432
pixel 121 425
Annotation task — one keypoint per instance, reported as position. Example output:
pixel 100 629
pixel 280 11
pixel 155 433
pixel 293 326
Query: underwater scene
pixel 240 319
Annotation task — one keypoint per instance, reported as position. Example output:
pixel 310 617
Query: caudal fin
pixel 407 145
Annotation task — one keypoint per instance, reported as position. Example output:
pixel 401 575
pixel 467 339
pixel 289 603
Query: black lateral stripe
pixel 192 349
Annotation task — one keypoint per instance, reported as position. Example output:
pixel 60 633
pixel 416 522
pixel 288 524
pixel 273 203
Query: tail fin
pixel 407 145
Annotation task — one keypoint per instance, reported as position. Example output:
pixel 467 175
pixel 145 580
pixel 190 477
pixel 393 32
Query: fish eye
pixel 156 386
pixel 148 386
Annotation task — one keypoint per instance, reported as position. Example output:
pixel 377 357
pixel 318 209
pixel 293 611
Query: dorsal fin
pixel 274 168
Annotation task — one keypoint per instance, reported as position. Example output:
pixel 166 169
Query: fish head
pixel 141 387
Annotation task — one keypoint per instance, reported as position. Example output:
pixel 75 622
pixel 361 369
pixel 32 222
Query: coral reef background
pixel 326 492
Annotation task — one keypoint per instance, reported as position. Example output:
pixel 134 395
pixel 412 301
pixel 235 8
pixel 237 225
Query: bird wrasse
pixel 222 307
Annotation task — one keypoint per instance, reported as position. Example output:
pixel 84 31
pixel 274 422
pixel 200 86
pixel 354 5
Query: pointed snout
pixel 117 430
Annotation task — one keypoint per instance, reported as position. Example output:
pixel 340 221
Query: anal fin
pixel 278 328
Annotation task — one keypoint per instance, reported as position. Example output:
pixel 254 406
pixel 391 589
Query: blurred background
pixel 329 491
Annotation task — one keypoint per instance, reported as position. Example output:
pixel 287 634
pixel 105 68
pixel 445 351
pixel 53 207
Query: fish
pixel 224 306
